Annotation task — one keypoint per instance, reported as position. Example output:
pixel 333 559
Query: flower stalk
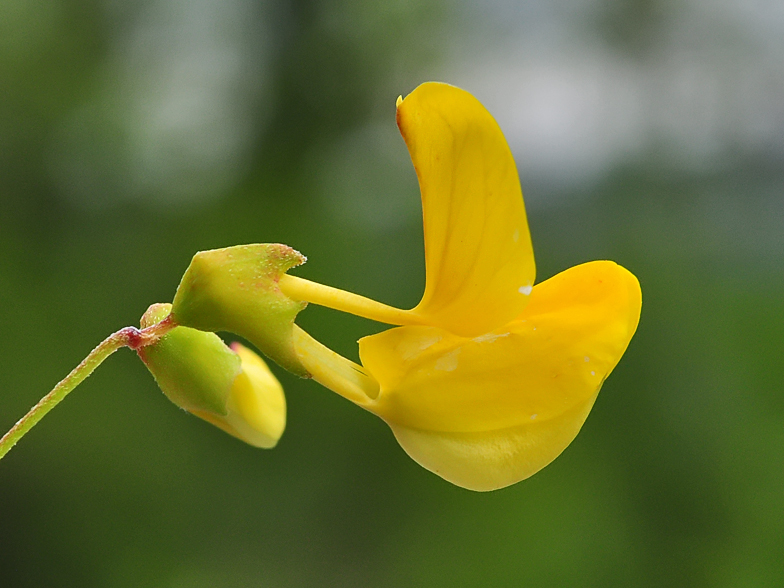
pixel 126 337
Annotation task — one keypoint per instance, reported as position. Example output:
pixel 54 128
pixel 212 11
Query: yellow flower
pixel 489 377
pixel 493 378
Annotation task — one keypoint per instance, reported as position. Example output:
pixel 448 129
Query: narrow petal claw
pixel 478 254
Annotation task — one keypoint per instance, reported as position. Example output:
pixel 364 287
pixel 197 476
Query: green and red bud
pixel 232 388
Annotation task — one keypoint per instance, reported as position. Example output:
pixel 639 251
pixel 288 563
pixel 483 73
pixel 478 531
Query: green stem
pixel 127 337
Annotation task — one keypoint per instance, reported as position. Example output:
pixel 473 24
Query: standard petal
pixel 478 255
pixel 461 398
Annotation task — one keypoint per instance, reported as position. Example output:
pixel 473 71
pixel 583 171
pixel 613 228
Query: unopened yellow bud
pixel 232 388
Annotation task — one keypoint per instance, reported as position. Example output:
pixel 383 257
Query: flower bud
pixel 236 289
pixel 232 388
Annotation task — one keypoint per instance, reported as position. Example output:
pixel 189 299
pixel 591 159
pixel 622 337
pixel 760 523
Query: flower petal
pixel 453 401
pixel 256 404
pixel 478 255
pixel 493 460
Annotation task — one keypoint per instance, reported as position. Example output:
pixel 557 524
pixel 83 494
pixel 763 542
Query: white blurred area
pixel 704 89
pixel 171 115
pixel 183 95
pixel 569 114
pixel 707 88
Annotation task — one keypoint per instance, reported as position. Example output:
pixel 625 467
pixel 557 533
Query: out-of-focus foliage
pixel 134 134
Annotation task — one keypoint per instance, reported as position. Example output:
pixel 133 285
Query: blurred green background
pixel 133 134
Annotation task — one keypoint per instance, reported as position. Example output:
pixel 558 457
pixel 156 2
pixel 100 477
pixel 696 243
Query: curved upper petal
pixel 514 397
pixel 478 256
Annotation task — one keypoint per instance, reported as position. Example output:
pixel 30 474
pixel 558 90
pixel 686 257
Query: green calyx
pixel 236 289
pixel 196 370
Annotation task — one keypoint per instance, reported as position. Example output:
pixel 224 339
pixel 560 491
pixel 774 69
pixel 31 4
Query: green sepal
pixel 196 370
pixel 236 289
